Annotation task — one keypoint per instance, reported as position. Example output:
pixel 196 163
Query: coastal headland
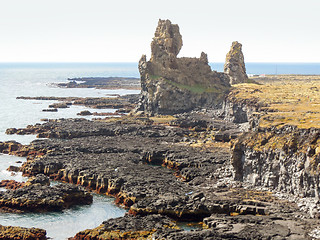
pixel 237 156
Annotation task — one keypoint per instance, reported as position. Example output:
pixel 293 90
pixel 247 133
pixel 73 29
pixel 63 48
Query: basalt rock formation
pixel 174 85
pixel 37 196
pixel 17 233
pixel 198 185
pixel 128 227
pixel 234 65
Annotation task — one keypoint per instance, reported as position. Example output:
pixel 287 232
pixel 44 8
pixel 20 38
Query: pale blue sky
pixel 121 31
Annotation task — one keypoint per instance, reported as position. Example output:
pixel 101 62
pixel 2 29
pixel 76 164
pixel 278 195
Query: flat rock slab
pixel 38 198
pixel 17 233
pixel 128 227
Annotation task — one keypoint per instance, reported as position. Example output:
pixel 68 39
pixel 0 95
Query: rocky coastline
pixel 169 169
pixel 103 82
pixel 221 159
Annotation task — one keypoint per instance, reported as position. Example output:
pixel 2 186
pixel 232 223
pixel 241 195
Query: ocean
pixel 38 79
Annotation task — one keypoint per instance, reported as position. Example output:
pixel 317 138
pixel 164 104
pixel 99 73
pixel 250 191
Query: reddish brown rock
pixel 11 184
pixel 17 149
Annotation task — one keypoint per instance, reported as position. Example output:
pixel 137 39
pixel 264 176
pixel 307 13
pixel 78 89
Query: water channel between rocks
pixel 59 225
pixel 37 80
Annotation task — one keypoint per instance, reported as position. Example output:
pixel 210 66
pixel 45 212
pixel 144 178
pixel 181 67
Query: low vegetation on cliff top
pixel 287 100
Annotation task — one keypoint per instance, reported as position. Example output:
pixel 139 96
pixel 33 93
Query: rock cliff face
pixel 234 65
pixel 173 85
pixel 283 160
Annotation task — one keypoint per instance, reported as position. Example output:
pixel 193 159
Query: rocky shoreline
pixel 103 82
pixel 170 169
pixel 223 158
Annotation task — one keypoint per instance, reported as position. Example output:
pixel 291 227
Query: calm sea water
pixel 37 80
pixel 33 79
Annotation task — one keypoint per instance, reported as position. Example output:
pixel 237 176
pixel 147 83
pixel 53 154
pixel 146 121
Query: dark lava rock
pixel 102 82
pixel 41 198
pixel 50 110
pixel 84 113
pixel 128 227
pixel 41 179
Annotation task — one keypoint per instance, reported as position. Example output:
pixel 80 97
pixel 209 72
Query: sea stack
pixel 171 85
pixel 234 65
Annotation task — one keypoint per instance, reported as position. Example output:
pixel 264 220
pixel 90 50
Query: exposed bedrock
pixel 128 227
pixel 154 169
pixel 128 164
pixel 37 196
pixel 17 233
pixel 285 159
pixel 238 110
pixel 174 85
pixel 234 65
pixel 217 226
pixel 17 149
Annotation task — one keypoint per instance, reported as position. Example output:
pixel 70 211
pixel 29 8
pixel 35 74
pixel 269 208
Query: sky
pixel 122 30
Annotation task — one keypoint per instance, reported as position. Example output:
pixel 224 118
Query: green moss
pixel 154 77
pixel 199 89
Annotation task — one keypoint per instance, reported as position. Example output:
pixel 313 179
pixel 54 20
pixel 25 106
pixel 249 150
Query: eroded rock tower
pixel 173 85
pixel 234 65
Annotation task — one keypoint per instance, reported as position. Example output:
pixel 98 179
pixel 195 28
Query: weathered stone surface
pixel 84 113
pixel 11 184
pixel 41 198
pixel 18 233
pixel 234 65
pixel 102 82
pixel 128 227
pixel 126 102
pixel 284 160
pixel 257 227
pixel 95 159
pixel 58 105
pixel 17 149
pixel 174 85
pixel 41 179
pixel 126 159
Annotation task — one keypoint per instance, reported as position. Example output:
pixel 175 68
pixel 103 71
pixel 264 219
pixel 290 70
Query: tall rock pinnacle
pixel 167 41
pixel 172 85
pixel 234 65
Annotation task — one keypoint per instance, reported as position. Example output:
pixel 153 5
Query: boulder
pixel 234 65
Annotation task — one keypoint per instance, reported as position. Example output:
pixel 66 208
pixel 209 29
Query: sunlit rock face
pixel 234 65
pixel 173 85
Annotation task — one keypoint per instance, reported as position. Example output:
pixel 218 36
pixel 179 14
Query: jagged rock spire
pixel 167 41
pixel 171 85
pixel 234 65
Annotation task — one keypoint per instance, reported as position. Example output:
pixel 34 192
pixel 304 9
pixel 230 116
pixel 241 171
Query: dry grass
pixel 290 99
pixel 163 119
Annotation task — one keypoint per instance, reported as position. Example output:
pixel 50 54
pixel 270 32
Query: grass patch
pixel 163 119
pixel 289 100
pixel 198 89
